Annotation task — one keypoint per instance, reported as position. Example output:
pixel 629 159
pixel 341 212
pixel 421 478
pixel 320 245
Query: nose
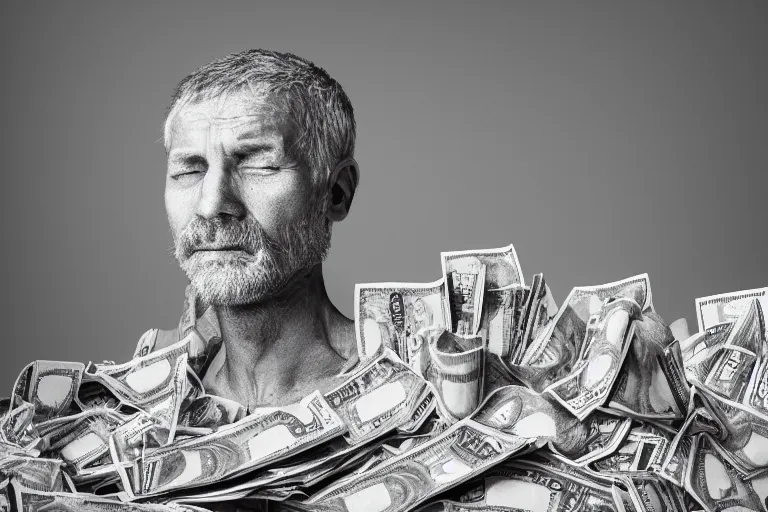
pixel 219 196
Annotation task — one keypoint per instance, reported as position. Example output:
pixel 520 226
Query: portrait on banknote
pixel 307 167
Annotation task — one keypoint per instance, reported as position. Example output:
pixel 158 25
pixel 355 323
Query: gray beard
pixel 260 274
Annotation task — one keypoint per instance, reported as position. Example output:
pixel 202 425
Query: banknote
pixel 648 492
pixel 391 315
pixel 716 485
pixel 604 434
pixel 258 439
pixel 210 411
pixel 557 348
pixel 522 485
pixel 606 342
pixel 727 307
pixel 701 350
pixel 84 441
pixel 523 413
pixel 156 383
pixel 644 449
pixel 674 465
pixel 16 426
pixel 468 274
pixel 382 395
pixel 459 453
pixel 455 367
pixel 742 353
pixel 503 311
pixel 33 472
pixel 30 500
pixel 651 383
pixel 497 374
pixel 50 386
pixel 540 309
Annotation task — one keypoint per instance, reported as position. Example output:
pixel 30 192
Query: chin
pixel 232 283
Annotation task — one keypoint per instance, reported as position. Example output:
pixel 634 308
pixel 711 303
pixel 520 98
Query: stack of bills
pixel 472 392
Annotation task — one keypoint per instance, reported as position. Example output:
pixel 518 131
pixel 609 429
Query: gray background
pixel 602 140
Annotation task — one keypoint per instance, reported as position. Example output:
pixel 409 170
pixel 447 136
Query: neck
pixel 272 347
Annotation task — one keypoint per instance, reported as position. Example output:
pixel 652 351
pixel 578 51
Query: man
pixel 260 164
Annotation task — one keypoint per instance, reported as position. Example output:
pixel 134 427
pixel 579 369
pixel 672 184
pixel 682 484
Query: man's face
pixel 243 214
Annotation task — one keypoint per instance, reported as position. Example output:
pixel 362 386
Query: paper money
pixel 455 366
pixel 540 309
pixel 381 396
pixel 557 348
pixel 733 374
pixel 514 486
pixel 210 411
pixel 701 349
pixel 392 314
pixel 644 449
pixel 33 472
pixel 50 386
pixel 606 341
pixel 156 383
pixel 651 383
pixel 727 307
pixel 468 274
pixel 252 442
pixel 604 434
pixel 717 485
pixel 501 318
pixel 462 451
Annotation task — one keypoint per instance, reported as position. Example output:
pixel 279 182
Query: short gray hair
pixel 315 103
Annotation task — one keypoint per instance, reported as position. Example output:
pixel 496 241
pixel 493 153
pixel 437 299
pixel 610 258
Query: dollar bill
pixel 502 317
pixel 732 374
pixel 643 450
pixel 727 307
pixel 392 314
pixel 648 492
pixel 604 434
pixel 701 350
pixel 156 383
pixel 540 309
pixel 521 412
pixel 50 386
pixel 716 485
pixel 556 349
pixel 83 441
pixel 455 367
pixel 461 452
pixel 468 274
pixel 17 427
pixel 651 383
pixel 606 341
pixel 33 472
pixel 210 411
pixel 517 485
pixel 382 395
pixel 263 437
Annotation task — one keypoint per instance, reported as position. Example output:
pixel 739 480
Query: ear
pixel 342 183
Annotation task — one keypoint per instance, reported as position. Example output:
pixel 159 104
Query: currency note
pixel 382 395
pixel 210 411
pixel 604 434
pixel 17 426
pixel 459 453
pixel 83 441
pixel 50 386
pixel 606 341
pixel 651 383
pixel 468 274
pixel 732 370
pixel 523 413
pixel 701 350
pixel 557 348
pixel 501 318
pixel 674 465
pixel 391 315
pixel 643 450
pixel 261 438
pixel 517 485
pixel 455 366
pixel 156 383
pixel 727 307
pixel 717 485
pixel 33 472
pixel 650 493
pixel 540 309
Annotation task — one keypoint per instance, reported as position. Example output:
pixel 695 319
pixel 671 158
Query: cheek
pixel 278 202
pixel 179 207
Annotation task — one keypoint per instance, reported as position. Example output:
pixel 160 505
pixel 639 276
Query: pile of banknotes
pixel 473 392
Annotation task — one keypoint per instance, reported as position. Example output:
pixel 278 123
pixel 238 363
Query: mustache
pixel 219 234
